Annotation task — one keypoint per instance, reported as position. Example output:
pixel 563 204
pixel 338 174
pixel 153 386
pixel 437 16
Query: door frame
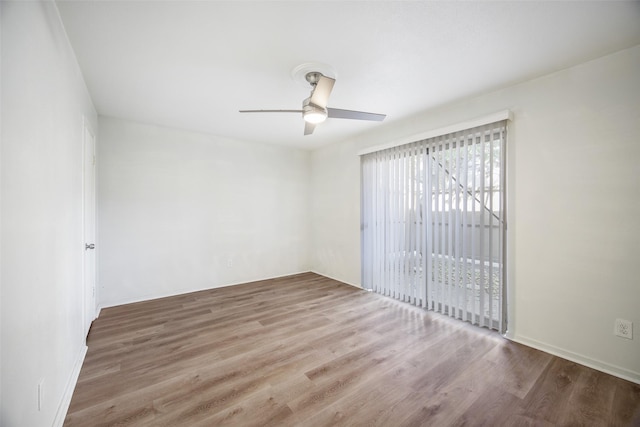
pixel 88 255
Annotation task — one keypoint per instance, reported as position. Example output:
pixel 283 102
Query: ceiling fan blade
pixel 270 111
pixel 308 128
pixel 336 113
pixel 321 92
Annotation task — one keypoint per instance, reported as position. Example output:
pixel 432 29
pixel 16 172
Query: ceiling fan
pixel 314 108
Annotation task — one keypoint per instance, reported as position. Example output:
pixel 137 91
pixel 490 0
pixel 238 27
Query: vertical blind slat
pixel 412 226
pixel 426 234
pixel 457 230
pixel 483 266
pixel 448 225
pixel 490 215
pixel 502 229
pixel 464 180
pixel 437 231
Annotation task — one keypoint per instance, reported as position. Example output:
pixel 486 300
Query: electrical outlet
pixel 230 262
pixel 624 328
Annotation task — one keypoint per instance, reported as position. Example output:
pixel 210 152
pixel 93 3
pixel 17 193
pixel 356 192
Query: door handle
pixel 89 246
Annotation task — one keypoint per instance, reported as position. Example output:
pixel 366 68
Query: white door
pixel 89 200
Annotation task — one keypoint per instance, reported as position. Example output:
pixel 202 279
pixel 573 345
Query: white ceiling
pixel 193 64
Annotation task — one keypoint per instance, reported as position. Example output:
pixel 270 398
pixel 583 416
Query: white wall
pixel 43 102
pixel 174 207
pixel 574 206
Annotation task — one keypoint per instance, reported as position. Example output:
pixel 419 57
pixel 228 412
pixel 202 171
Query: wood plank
pixel 591 400
pixel 515 367
pixel 549 397
pixel 626 409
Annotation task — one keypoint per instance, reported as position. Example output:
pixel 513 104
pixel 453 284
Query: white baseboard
pixel 177 292
pixel 71 386
pixel 598 365
pixel 335 278
pixel 186 291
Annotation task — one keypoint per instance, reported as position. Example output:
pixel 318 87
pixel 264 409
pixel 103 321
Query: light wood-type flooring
pixel 306 350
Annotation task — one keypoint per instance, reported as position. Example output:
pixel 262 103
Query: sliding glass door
pixel 433 224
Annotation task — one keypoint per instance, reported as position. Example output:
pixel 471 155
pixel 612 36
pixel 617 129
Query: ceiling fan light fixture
pixel 313 114
pixel 315 117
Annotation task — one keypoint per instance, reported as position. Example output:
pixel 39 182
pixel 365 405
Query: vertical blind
pixel 433 224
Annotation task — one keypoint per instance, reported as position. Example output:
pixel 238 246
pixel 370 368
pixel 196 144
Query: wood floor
pixel 305 350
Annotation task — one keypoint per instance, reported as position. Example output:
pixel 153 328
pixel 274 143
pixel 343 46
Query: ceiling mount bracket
pixel 313 77
pixel 299 73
